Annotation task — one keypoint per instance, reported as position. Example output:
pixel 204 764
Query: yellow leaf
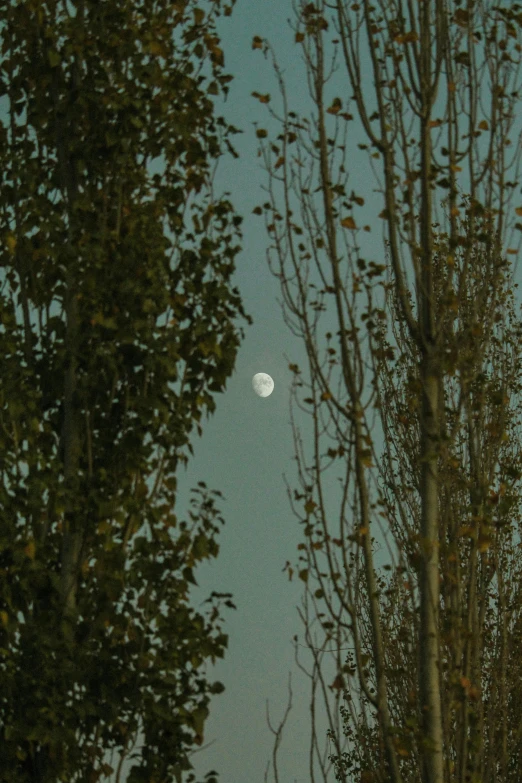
pixel 30 549
pixel 257 42
pixel 217 55
pixel 348 222
pixel 261 98
pixel 155 48
pixel 336 107
pixel 299 37
pixel 11 243
pixel 483 125
pixel 4 617
pixel 484 544
pixel 261 133
pixel 199 15
pixel 518 210
pixel 407 38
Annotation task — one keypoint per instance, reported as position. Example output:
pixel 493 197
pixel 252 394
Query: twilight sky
pixel 247 444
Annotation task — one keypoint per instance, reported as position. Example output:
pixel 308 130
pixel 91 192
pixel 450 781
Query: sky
pixel 247 448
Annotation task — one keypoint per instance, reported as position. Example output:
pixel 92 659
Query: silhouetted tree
pixel 96 396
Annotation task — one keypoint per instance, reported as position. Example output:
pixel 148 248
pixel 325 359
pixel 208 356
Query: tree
pixel 430 654
pixel 98 397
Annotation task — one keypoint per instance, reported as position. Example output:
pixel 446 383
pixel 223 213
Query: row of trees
pixel 94 92
pixel 431 685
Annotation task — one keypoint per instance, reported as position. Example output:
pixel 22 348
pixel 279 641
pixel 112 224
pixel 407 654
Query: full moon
pixel 262 384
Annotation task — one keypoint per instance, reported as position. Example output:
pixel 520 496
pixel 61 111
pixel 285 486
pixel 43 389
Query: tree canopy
pixel 98 399
pixel 431 679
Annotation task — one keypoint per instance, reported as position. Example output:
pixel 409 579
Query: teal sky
pixel 247 445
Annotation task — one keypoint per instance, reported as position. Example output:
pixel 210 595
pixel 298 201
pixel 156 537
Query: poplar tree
pixel 431 681
pixel 115 340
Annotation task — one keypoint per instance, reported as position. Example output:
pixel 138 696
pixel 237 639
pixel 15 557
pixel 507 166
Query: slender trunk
pixel 429 669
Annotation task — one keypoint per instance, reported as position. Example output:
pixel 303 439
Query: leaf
pixel 483 125
pixel 348 222
pixel 310 505
pixel 336 106
pixel 30 549
pixel 462 58
pixel 407 37
pixel 54 58
pixel 257 42
pixel 461 17
pixel 261 98
pixel 199 717
pixel 199 15
pixel 338 684
pixel 217 55
pixel 156 48
pixel 303 575
pixel 261 133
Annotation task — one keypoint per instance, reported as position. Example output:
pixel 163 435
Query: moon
pixel 262 384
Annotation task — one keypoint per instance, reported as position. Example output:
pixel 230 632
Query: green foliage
pixel 105 91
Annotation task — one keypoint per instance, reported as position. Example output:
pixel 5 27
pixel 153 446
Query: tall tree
pixel 430 654
pixel 97 397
